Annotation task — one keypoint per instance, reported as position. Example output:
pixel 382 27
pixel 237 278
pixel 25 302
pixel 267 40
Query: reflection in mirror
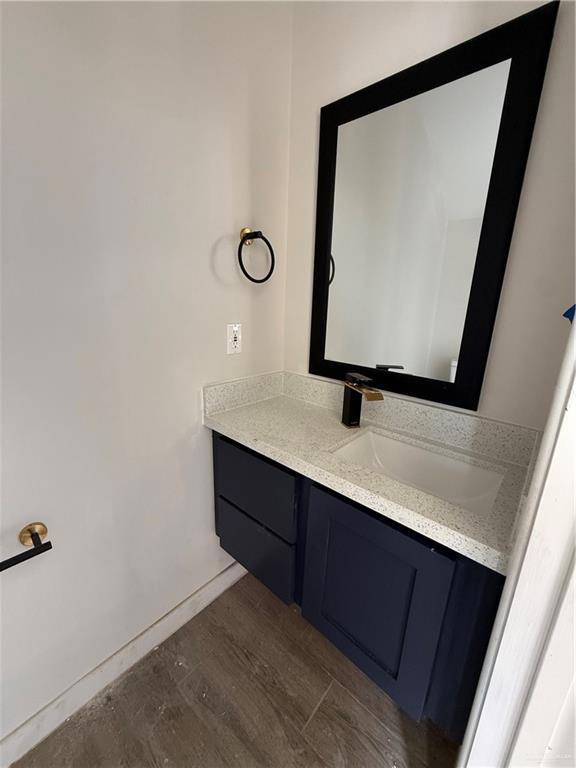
pixel 410 191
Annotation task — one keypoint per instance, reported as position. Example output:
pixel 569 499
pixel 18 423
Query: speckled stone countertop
pixel 303 437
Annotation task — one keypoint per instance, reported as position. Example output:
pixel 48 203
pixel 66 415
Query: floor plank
pixel 287 619
pixel 422 740
pixel 346 735
pixel 275 659
pixel 244 710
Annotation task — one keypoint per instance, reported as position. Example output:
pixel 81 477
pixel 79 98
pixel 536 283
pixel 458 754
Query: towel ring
pixel 246 238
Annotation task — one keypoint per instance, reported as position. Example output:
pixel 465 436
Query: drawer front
pixel 262 490
pixel 261 552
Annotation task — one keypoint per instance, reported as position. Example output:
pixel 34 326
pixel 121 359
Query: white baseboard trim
pixel 35 729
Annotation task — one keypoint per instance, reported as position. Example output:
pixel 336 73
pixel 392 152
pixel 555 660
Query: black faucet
pixel 355 386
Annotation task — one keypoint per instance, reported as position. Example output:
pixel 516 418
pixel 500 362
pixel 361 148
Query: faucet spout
pixel 369 392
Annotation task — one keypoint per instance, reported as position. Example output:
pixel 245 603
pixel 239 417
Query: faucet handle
pixel 357 378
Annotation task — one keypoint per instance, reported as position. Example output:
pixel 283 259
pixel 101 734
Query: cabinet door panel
pixel 380 634
pixel 378 593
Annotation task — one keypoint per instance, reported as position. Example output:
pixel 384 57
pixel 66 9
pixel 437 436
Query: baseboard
pixel 35 729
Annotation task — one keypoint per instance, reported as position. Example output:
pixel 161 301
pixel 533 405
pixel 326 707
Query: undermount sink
pixel 459 482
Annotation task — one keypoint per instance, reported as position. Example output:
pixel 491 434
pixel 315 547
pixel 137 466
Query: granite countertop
pixel 303 437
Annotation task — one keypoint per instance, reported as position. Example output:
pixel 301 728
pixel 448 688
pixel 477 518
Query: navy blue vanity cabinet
pixel 256 504
pixel 377 593
pixel 472 606
pixel 414 616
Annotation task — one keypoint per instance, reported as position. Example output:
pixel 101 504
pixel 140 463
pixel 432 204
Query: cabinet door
pixel 377 593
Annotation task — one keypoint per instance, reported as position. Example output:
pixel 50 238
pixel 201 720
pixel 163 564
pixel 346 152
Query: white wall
pixel 137 140
pixel 340 47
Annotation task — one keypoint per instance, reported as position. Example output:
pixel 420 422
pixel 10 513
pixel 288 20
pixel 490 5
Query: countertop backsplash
pixel 478 435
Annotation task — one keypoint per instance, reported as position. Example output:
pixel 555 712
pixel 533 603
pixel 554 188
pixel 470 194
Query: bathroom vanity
pixel 390 599
pixel 403 580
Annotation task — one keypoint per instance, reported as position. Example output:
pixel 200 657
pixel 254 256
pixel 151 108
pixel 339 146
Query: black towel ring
pixel 246 238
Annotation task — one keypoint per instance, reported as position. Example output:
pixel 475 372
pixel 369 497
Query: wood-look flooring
pixel 247 683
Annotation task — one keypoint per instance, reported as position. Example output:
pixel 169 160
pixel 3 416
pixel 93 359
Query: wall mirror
pixel 418 184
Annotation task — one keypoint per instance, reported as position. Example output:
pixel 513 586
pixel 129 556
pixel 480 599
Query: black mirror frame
pixel 525 40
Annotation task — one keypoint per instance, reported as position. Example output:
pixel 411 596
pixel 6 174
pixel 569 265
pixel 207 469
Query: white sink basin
pixel 459 482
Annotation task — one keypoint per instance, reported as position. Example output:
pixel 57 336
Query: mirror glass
pixel 410 191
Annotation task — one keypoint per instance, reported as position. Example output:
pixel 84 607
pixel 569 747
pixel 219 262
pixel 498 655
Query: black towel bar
pixel 31 535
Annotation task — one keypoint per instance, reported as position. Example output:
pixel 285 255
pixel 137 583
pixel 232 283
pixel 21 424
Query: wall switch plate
pixel 234 338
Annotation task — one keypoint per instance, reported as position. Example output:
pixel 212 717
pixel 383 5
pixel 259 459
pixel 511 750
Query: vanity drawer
pixel 259 550
pixel 258 487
